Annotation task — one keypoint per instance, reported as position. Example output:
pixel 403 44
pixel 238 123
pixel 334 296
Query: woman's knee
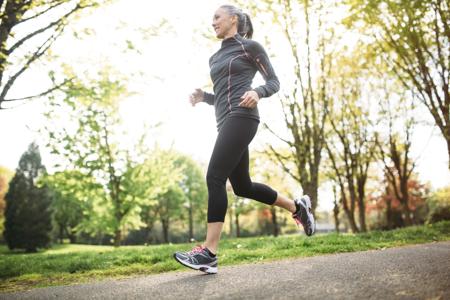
pixel 242 191
pixel 213 179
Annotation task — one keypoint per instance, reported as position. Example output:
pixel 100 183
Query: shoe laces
pixel 197 249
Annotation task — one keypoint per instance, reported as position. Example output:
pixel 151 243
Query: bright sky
pixel 171 66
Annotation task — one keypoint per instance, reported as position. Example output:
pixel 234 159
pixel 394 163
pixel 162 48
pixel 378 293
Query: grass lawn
pixel 69 264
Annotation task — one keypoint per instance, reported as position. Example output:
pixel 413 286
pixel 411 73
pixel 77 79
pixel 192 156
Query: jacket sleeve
pixel 208 98
pixel 262 63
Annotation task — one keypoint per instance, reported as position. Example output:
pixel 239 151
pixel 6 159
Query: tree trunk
pixel 336 217
pixel 191 223
pixel 276 229
pixel 336 211
pixel 71 235
pixel 447 139
pixel 117 237
pixel 148 237
pixel 361 182
pixel 351 221
pixel 311 189
pixel 389 214
pixel 405 201
pixel 238 229
pixel 165 227
pixel 350 216
pixel 349 213
pixel 362 215
pixel 61 233
pixel 407 215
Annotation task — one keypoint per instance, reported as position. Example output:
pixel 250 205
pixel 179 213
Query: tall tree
pixel 185 189
pixel 28 215
pixel 395 151
pixel 192 184
pixel 169 207
pixel 91 146
pixel 414 37
pixel 351 145
pixel 155 185
pixel 237 206
pixel 265 170
pixel 308 34
pixel 390 209
pixel 73 200
pixel 28 29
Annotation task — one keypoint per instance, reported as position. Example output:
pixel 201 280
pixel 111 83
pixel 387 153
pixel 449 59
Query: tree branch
pixel 41 94
pixel 43 29
pixel 41 13
pixel 282 161
pixel 276 135
pixel 37 54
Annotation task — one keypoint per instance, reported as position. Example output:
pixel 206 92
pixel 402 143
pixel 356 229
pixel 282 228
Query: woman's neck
pixel 230 34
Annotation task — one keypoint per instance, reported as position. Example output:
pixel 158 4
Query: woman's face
pixel 224 25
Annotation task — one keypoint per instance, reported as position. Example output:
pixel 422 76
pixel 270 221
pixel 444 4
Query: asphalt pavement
pixel 409 272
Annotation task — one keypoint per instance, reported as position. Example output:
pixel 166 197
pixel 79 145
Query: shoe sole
pixel 204 268
pixel 310 215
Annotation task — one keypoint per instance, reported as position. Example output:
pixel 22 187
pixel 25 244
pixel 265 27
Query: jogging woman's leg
pixel 233 139
pixel 244 187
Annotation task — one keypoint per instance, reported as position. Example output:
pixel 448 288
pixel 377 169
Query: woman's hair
pixel 244 27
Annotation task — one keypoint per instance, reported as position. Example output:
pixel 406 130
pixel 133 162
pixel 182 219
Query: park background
pixel 353 93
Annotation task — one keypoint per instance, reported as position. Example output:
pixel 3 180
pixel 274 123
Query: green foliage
pixel 91 148
pixel 75 197
pixel 176 185
pixel 126 188
pixel 28 215
pixel 413 38
pixel 439 205
pixel 193 185
pixel 65 264
pixel 308 31
pixel 169 187
pixel 350 142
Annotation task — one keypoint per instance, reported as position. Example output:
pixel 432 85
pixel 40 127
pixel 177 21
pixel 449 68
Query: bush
pixel 439 204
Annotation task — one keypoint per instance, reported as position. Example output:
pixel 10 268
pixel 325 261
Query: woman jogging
pixel 232 69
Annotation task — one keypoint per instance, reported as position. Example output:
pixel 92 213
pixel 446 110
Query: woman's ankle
pixel 286 203
pixel 211 249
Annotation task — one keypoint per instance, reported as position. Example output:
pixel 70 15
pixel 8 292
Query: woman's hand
pixel 249 99
pixel 196 97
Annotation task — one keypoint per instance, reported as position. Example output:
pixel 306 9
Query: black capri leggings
pixel 230 159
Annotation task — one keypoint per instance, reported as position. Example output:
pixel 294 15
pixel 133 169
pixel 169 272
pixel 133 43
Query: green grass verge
pixel 68 264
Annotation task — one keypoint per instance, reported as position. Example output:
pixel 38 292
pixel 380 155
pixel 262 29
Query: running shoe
pixel 303 215
pixel 198 258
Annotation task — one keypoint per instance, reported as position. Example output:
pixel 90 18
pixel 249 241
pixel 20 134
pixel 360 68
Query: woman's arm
pixel 264 66
pixel 208 98
pixel 200 96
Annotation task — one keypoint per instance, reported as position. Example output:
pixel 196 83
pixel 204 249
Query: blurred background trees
pixel 27 212
pixel 413 37
pixel 360 79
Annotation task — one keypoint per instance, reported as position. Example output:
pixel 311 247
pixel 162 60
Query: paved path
pixel 411 272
